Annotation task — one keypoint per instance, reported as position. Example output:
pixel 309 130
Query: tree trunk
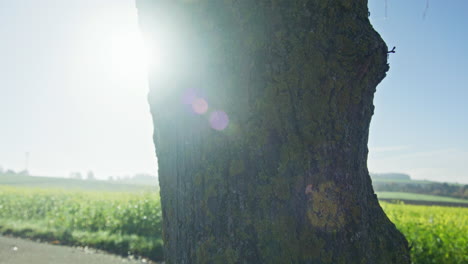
pixel 261 113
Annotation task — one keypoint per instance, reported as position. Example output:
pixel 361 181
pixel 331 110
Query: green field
pixel 130 222
pixel 411 181
pixel 75 184
pixel 418 197
pixel 436 234
pixel 118 222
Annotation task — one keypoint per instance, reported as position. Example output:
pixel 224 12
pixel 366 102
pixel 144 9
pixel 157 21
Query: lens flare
pixel 219 120
pixel 199 106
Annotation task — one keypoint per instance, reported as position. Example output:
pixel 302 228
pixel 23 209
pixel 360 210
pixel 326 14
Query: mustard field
pixel 436 234
pixel 130 222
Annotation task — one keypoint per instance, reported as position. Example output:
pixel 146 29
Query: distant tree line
pixel 392 176
pixel 13 172
pixel 433 188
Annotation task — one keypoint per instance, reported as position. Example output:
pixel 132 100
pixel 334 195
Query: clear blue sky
pixel 420 124
pixel 73 89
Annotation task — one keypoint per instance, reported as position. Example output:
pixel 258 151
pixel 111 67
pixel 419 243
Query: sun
pixel 128 53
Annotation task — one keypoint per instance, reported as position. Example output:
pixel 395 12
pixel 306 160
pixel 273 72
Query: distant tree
pixel 111 178
pixel 10 172
pixel 90 175
pixel 1 170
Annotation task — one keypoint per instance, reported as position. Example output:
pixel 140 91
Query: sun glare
pixel 132 54
pixel 128 53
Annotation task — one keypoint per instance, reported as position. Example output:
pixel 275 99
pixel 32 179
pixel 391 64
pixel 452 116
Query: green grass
pixel 436 234
pixel 119 222
pixel 418 197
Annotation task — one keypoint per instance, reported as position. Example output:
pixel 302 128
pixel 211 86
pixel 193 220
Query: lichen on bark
pixel 286 180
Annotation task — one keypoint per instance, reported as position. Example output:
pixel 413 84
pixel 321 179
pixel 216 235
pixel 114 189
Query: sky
pixel 73 88
pixel 420 125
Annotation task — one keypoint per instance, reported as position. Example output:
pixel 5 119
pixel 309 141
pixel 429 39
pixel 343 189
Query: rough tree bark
pixel 261 114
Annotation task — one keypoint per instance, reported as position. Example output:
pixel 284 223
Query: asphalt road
pixel 21 251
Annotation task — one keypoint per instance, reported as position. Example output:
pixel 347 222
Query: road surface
pixel 21 251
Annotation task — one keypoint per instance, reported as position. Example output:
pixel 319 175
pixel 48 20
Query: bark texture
pixel 286 181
